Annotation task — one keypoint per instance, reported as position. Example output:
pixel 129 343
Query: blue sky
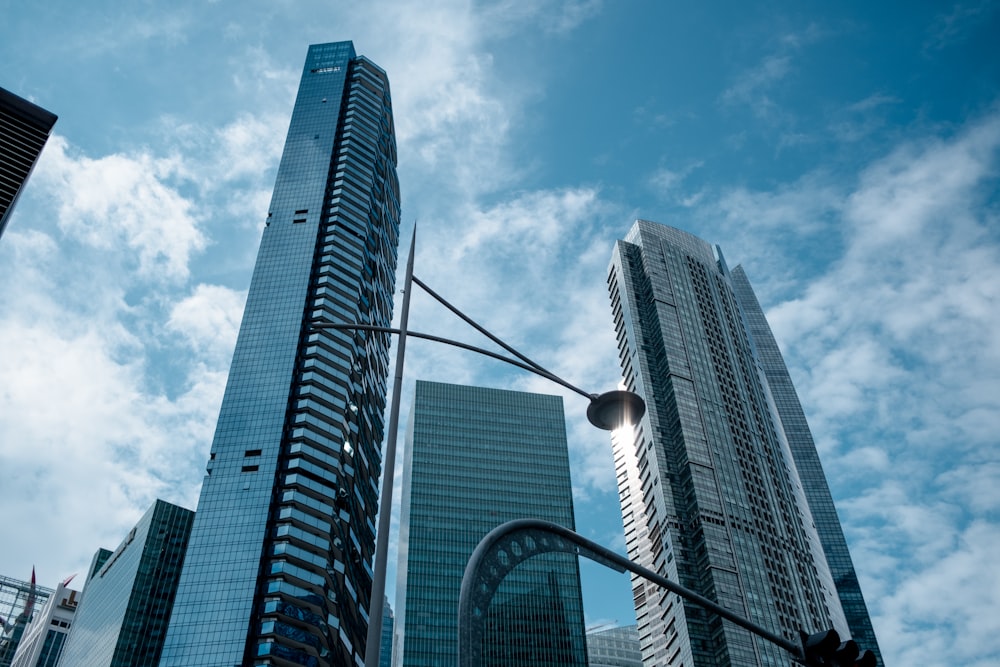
pixel 847 154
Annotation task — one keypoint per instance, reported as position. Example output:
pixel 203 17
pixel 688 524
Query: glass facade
pixel 476 458
pixel 807 462
pixel 24 129
pixel 123 613
pixel 614 647
pixel 711 495
pixel 19 602
pixel 45 635
pixel 278 570
pixel 385 647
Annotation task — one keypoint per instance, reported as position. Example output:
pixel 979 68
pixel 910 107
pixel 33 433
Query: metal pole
pixel 532 368
pixel 377 603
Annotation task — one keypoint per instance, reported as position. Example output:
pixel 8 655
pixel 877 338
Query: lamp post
pixel 509 544
pixel 606 411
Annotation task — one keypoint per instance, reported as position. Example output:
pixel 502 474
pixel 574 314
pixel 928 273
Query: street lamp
pixel 509 544
pixel 606 411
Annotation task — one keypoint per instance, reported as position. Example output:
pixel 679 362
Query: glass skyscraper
pixel 476 458
pixel 278 570
pixel 45 635
pixel 24 129
pixel 388 630
pixel 19 602
pixel 125 607
pixel 817 491
pixel 715 481
pixel 614 647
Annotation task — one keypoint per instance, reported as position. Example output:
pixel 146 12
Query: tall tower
pixel 278 568
pixel 126 601
pixel 614 647
pixel 817 491
pixel 45 635
pixel 385 646
pixel 24 129
pixel 710 487
pixel 19 602
pixel 475 459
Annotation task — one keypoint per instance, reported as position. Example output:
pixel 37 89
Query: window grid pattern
pixel 614 647
pixel 44 636
pixel 24 129
pixel 476 458
pixel 810 470
pixel 279 567
pixel 710 494
pixel 19 601
pixel 125 608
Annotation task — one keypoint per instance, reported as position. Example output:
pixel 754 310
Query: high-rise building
pixel 807 462
pixel 475 459
pixel 614 647
pixel 19 602
pixel 24 129
pixel 385 646
pixel 45 635
pixel 711 491
pixel 125 606
pixel 278 569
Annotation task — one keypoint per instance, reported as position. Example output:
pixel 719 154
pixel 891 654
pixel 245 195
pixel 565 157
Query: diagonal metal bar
pixel 533 368
pixel 468 320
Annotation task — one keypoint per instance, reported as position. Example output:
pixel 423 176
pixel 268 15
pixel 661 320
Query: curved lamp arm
pixel 511 543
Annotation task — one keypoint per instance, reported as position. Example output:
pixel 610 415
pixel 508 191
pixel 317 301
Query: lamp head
pixel 614 409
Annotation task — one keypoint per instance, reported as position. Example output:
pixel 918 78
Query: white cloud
pixel 757 86
pixel 531 270
pixel 781 233
pixel 899 338
pixel 873 101
pixel 668 183
pixel 254 72
pixel 553 16
pixel 752 88
pixel 896 326
pixel 115 31
pixel 124 198
pixel 453 114
pixel 885 293
pixel 799 208
pixel 76 416
pixel 949 28
pixel 442 80
pixel 945 613
pixel 209 320
pixel 94 303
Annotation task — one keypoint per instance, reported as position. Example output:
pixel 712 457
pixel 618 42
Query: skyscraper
pixel 385 647
pixel 807 462
pixel 19 602
pixel 125 606
pixel 278 569
pixel 24 129
pixel 614 647
pixel 475 459
pixel 45 635
pixel 711 491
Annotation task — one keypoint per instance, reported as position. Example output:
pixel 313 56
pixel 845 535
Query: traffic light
pixel 819 647
pixel 824 649
pixel 867 659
